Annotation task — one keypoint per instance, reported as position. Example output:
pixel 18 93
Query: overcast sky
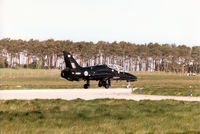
pixel 137 21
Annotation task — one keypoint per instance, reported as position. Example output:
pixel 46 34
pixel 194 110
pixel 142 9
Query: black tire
pixel 107 86
pixel 100 84
pixel 86 86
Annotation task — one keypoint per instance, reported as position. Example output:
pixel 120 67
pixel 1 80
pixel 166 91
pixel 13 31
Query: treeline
pixel 133 57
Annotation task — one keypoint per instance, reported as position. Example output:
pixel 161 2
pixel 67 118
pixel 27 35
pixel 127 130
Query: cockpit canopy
pixel 116 67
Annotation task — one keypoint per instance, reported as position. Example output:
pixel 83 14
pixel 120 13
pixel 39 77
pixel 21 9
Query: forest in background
pixel 134 57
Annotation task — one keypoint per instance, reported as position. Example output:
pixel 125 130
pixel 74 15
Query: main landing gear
pixel 87 84
pixel 105 83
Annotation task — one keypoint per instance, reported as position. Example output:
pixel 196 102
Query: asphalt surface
pixel 86 94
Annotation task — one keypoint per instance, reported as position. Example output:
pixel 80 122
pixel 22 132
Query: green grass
pixel 160 83
pixel 99 116
pixel 157 83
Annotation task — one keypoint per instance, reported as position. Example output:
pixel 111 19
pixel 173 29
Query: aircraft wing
pixel 102 75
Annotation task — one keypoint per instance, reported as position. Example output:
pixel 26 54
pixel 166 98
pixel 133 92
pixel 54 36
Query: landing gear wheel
pixel 86 86
pixel 100 84
pixel 106 83
pixel 107 86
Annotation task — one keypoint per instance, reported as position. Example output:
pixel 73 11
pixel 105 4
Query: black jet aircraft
pixel 102 73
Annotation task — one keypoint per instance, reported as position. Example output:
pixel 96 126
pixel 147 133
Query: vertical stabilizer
pixel 70 61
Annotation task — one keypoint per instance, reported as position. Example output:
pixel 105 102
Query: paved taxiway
pixel 86 94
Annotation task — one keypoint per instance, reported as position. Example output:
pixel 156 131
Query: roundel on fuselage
pixel 85 73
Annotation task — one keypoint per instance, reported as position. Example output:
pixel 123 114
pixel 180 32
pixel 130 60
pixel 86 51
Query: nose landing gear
pixel 128 84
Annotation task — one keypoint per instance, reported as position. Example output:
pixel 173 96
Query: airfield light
pixel 190 90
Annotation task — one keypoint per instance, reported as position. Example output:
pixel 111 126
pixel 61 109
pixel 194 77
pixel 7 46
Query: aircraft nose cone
pixel 132 77
pixel 135 77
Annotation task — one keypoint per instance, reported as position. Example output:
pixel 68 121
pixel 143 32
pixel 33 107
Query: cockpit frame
pixel 116 67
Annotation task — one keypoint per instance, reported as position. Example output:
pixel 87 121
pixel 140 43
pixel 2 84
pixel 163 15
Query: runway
pixel 86 94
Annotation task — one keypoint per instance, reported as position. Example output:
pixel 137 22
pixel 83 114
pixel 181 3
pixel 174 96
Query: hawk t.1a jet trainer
pixel 102 73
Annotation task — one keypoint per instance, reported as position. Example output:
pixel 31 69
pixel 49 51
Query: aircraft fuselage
pixel 101 73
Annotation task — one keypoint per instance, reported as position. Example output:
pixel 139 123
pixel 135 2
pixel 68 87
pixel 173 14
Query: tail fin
pixel 70 61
